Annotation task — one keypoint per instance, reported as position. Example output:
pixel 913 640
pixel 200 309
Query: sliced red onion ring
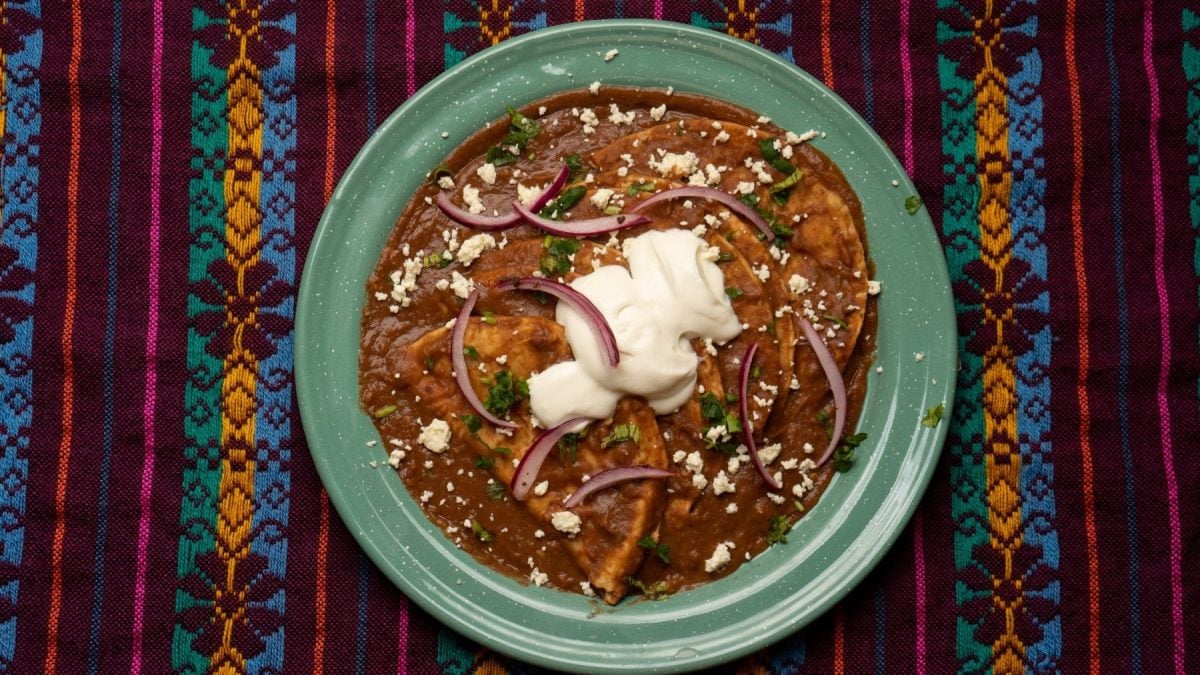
pixel 579 228
pixel 475 221
pixel 552 191
pixel 733 203
pixel 836 384
pixel 578 302
pixel 458 361
pixel 611 477
pixel 747 428
pixel 531 463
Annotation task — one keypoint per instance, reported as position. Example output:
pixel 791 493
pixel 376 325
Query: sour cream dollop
pixel 672 293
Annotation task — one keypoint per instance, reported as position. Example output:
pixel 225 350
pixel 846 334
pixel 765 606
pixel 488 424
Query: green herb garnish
pixel 436 260
pixel 731 397
pixel 556 255
pixel 799 505
pixel 826 422
pixel 489 317
pixel 498 156
pixel 622 433
pixel 485 463
pixel 428 363
pixel 566 200
pixel 912 205
pixel 656 592
pixel 734 292
pixel 470 352
pixel 775 157
pixel 725 257
pixel 612 210
pixel 756 372
pixel 505 391
pixel 777 534
pixel 934 415
pixel 501 450
pixel 843 456
pixel 484 536
pixel 440 171
pixel 661 550
pixel 716 415
pixel 575 164
pixel 384 411
pixel 787 183
pixel 520 130
pixel 830 317
pixel 472 422
pixel 635 188
pixel 496 491
pixel 568 447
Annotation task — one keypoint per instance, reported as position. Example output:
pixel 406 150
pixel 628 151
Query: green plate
pixel 828 552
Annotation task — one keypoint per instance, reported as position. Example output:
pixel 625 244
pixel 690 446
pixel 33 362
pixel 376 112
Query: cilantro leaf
pixel 934 415
pixel 564 202
pixel 777 533
pixel 556 255
pixel 622 433
pixel 734 292
pixel 843 456
pixel 568 447
pixel 661 550
pixel 470 352
pixel 484 536
pixel 635 188
pixel 912 205
pixel 505 392
pixel 575 164
pixel 496 491
pixel 383 411
pixel 484 463
pixel 472 422
pixel 657 591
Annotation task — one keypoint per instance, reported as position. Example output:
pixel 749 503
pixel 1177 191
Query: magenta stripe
pixel 402 645
pixel 906 78
pixel 1164 325
pixel 658 9
pixel 919 583
pixel 410 52
pixel 139 588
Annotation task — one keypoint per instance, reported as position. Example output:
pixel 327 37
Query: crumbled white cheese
pixel 600 198
pixel 699 481
pixel 919 357
pixel 745 187
pixel 462 286
pixel 487 173
pixel 527 195
pixel 657 113
pixel 873 287
pixel 589 119
pixel 538 534
pixel 762 272
pixel 540 488
pixel 594 87
pixel 470 197
pixel 721 137
pixel 446 183
pixel 694 463
pixel 435 435
pixel 617 117
pixel 426 496
pixel 405 282
pixel 678 456
pixel 715 433
pixel 768 453
pixel 722 484
pixel 611 54
pixel 731 507
pixel 395 457
pixel 472 248
pixel 566 522
pixel 674 165
pixel 719 558
pixel 799 284
pixel 587 589
pixel 538 577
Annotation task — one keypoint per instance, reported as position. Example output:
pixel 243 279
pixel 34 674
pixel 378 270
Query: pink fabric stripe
pixel 410 51
pixel 658 9
pixel 143 536
pixel 919 583
pixel 402 645
pixel 1165 328
pixel 906 79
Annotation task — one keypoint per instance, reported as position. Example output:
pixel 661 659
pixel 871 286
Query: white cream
pixel 672 293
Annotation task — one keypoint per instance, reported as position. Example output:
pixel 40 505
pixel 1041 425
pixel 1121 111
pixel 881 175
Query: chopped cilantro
pixel 635 188
pixel 787 183
pixel 436 260
pixel 565 201
pixel 568 447
pixel 661 550
pixel 799 505
pixel 520 123
pixel 622 433
pixel 912 205
pixel 716 416
pixel 777 534
pixel 383 411
pixel 612 210
pixel 472 422
pixel 731 397
pixel 484 463
pixel 749 199
pixel 520 130
pixel 830 317
pixel 498 156
pixel 781 230
pixel 657 591
pixel 501 450
pixel 556 255
pixel 934 415
pixel 496 491
pixel 756 372
pixel 843 456
pixel 428 363
pixel 826 422
pixel 725 257
pixel 505 391
pixel 470 352
pixel 484 536
pixel 440 171
pixel 775 158
pixel 711 408
pixel 489 317
pixel 575 164
pixel 734 292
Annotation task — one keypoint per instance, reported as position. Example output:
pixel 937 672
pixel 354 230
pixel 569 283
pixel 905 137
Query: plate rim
pixel 306 359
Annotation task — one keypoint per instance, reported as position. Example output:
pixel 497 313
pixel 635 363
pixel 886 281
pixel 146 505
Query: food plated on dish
pixel 617 343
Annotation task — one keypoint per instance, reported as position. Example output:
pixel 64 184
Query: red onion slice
pixel 458 361
pixel 578 302
pixel 552 191
pixel 836 384
pixel 733 203
pixel 579 228
pixel 531 463
pixel 747 428
pixel 611 477
pixel 475 221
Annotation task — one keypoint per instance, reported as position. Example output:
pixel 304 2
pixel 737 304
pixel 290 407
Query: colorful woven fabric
pixel 164 168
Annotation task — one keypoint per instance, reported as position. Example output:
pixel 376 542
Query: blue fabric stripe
pixel 880 630
pixel 110 328
pixel 1027 206
pixel 18 232
pixel 360 629
pixel 273 417
pixel 370 65
pixel 1118 223
pixel 865 47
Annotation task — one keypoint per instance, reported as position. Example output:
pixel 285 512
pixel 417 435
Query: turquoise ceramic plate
pixel 828 552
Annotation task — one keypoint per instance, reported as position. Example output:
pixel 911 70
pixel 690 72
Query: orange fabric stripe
pixel 579 14
pixel 318 666
pixel 826 42
pixel 1085 418
pixel 839 641
pixel 68 391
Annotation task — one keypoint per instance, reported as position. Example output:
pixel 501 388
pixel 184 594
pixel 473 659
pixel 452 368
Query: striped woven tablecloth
pixel 164 168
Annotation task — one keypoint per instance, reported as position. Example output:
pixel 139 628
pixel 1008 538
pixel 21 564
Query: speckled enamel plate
pixel 828 552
